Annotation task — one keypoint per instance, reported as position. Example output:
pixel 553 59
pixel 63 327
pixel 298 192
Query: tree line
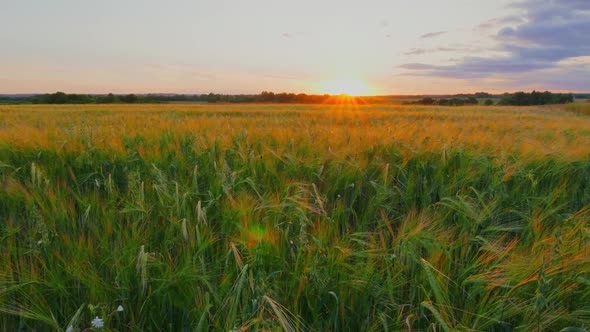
pixel 514 99
pixel 518 98
pixel 536 98
pixel 264 97
pixel 447 102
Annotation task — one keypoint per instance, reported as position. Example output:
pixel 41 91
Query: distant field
pixel 334 130
pixel 295 217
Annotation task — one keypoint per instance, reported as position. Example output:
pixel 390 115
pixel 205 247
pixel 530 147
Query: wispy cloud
pixel 432 34
pixel 451 49
pixel 500 22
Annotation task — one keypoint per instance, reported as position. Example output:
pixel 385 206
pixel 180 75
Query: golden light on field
pixel 351 87
pixel 343 127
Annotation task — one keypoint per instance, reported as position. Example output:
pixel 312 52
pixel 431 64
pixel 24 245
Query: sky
pixel 223 46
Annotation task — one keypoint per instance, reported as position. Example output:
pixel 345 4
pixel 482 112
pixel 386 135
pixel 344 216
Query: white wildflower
pixel 70 329
pixel 120 308
pixel 97 322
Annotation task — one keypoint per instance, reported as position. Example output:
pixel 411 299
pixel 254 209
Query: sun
pixel 349 87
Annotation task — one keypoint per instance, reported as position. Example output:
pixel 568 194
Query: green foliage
pixel 536 98
pixel 108 99
pixel 212 238
pixel 455 101
pixel 63 98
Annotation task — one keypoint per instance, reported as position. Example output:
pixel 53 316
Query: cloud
pixel 568 81
pixel 417 66
pixel 453 49
pixel 418 51
pixel 566 77
pixel 550 32
pixel 500 22
pixel 286 35
pixel 433 34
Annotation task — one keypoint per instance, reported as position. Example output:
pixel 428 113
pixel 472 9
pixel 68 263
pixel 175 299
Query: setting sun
pixel 345 86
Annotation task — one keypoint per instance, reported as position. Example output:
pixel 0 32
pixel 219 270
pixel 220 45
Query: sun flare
pixel 349 87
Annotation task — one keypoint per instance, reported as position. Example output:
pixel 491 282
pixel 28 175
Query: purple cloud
pixel 550 31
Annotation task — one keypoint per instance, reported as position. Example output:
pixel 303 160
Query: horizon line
pixel 283 92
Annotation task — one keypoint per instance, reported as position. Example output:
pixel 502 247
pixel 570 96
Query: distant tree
pixel 457 102
pixel 213 98
pixel 505 100
pixel 426 101
pixel 547 98
pixel 80 99
pixel 130 98
pixel 443 102
pixel 521 99
pixel 267 97
pixel 536 98
pixel 489 102
pixel 482 95
pixel 108 99
pixel 471 101
pixel 285 97
pixel 56 98
pixel 565 98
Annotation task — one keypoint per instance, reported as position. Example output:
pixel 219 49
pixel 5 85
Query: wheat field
pixel 254 217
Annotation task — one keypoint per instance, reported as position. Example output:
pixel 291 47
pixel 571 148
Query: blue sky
pixel 394 46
